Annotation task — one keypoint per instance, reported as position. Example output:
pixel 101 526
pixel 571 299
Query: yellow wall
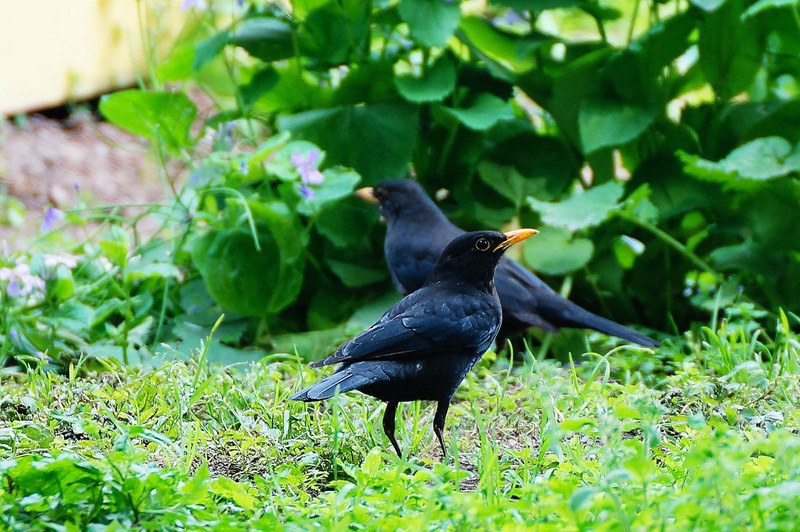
pixel 52 51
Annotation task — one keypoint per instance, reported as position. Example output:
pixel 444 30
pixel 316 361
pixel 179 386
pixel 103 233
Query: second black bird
pixel 416 233
pixel 423 347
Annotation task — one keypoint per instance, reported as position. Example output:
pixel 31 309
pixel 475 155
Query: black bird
pixel 423 347
pixel 417 231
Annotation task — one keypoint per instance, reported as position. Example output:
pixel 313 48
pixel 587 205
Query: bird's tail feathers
pixel 344 380
pixel 582 318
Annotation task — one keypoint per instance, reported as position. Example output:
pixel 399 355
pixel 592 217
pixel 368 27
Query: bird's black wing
pixel 424 323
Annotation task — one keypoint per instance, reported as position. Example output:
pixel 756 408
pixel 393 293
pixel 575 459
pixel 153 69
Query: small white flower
pixel 69 261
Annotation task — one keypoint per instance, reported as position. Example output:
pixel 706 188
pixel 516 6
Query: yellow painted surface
pixel 53 51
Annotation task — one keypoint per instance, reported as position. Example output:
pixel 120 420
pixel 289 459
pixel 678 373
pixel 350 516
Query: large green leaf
pixel 248 281
pixel 346 223
pixel 266 38
pixel 159 116
pixel 582 209
pixel 605 123
pixel 432 22
pixel 333 32
pixel 433 86
pixel 483 113
pixel 731 50
pixel 355 266
pixel 546 163
pixel 636 71
pixel 292 91
pixel 554 252
pixel 375 139
pixel 758 160
pixel 509 183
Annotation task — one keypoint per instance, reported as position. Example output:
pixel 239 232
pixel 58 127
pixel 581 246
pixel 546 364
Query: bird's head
pixel 398 198
pixel 473 257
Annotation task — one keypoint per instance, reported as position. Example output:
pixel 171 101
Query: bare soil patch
pixel 47 162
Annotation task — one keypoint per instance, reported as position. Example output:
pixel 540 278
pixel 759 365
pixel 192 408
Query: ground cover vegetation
pixel 654 144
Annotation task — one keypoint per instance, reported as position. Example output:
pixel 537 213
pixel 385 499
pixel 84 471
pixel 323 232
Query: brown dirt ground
pixel 47 162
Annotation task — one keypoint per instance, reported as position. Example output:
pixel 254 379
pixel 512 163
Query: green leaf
pixel 339 183
pixel 207 49
pixel 266 38
pixel 547 165
pixel 432 22
pixel 260 84
pixel 766 5
pixel 604 123
pixel 242 279
pixel 554 252
pixel 508 50
pixel 336 223
pixel 135 271
pixel 234 491
pixel 581 497
pixel 64 286
pixel 582 209
pixel 509 183
pixel 626 249
pixel 293 91
pixel 333 32
pixel 355 275
pixel 158 116
pixel 483 113
pixel 731 50
pixel 434 85
pixel 759 160
pixel 376 140
pixel 708 5
pixel 309 345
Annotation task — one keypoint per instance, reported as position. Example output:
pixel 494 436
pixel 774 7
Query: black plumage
pixel 423 347
pixel 416 233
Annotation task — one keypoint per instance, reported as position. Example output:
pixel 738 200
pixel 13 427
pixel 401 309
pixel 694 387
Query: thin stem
pixel 669 240
pixel 634 16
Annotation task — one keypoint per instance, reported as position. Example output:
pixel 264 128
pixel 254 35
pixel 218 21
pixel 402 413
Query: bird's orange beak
pixel 366 194
pixel 512 237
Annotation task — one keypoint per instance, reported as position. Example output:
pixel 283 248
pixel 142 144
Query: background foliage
pixel 655 145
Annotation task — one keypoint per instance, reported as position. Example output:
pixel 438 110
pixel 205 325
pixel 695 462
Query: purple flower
pixel 20 281
pixel 306 165
pixel 240 3
pixel 14 290
pixel 306 192
pixel 51 218
pixel 13 334
pixel 198 4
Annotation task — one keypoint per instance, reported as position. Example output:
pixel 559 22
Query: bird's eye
pixel 379 193
pixel 482 244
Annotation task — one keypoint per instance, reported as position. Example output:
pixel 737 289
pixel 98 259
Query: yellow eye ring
pixel 482 244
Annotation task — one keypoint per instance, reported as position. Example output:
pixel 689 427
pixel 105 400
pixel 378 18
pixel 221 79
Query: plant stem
pixel 669 240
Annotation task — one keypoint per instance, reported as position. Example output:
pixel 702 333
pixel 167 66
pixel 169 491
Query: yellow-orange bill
pixel 518 235
pixel 366 194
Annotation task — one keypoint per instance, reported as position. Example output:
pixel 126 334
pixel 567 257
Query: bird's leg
pixel 388 424
pixel 438 423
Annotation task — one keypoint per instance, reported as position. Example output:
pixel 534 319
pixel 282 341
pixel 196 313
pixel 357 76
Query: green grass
pixel 712 445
